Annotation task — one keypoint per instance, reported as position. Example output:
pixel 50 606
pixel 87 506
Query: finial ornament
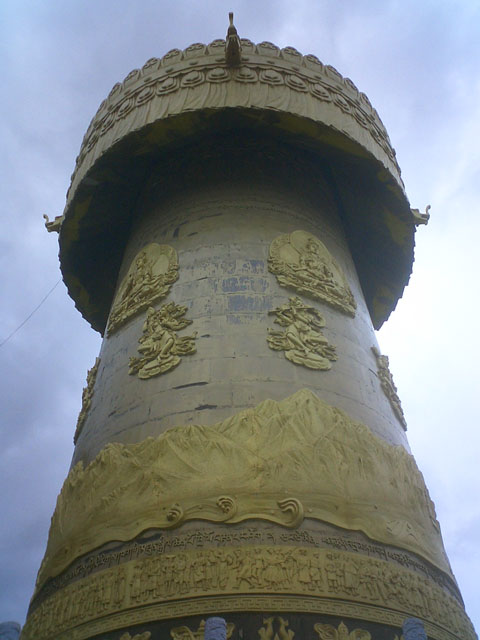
pixel 53 225
pixel 419 217
pixel 233 48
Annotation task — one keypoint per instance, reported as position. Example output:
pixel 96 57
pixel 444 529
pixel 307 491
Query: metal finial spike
pixel 231 27
pixel 233 48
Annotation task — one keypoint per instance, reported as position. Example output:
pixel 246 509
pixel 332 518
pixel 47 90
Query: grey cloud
pixel 416 61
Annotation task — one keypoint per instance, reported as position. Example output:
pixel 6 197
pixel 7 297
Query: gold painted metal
pixel 159 344
pixel 328 632
pixel 149 279
pixel 216 605
pixel 299 84
pixel 281 462
pixel 302 262
pixel 176 96
pixel 87 395
pixel 139 636
pixel 388 386
pixel 419 217
pixel 267 631
pixel 302 340
pixel 185 633
pixel 317 577
pixel 53 225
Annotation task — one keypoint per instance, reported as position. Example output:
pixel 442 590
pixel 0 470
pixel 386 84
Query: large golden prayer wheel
pixel 236 227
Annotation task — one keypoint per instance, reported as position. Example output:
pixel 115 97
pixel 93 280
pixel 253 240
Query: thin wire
pixel 31 314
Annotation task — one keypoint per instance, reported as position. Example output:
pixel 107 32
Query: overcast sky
pixel 417 60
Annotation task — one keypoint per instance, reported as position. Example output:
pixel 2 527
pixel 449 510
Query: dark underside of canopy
pixel 228 143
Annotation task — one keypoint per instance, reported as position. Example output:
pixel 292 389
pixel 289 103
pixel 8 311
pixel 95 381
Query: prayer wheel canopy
pixel 175 106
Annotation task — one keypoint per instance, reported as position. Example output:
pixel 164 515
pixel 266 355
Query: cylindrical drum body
pixel 241 448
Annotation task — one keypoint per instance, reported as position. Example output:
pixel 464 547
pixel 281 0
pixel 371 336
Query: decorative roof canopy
pixel 174 100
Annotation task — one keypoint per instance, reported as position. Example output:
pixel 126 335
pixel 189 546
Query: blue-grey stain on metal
pixel 215 629
pixel 413 629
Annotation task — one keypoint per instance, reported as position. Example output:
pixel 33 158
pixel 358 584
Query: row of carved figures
pixel 275 628
pixel 174 577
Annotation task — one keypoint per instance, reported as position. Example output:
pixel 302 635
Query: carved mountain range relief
pixel 302 262
pixel 281 461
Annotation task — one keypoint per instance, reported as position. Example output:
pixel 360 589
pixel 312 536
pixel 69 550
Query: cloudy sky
pixel 417 60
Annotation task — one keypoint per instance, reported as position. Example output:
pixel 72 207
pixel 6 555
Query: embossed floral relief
pixel 303 263
pixel 281 461
pixel 151 274
pixel 301 340
pixel 160 346
pixel 329 632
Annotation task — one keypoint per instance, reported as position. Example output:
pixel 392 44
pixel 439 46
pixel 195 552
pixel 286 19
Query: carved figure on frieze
pixel 302 340
pixel 149 279
pixel 146 635
pixel 388 386
pixel 275 628
pixel 87 395
pixel 258 569
pixel 185 633
pixel 159 345
pixel 302 262
pixel 329 632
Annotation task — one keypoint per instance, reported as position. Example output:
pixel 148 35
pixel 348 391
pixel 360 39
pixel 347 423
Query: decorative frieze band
pixel 175 578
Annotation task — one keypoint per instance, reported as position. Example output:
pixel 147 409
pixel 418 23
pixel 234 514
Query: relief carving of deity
pixel 302 340
pixel 87 395
pixel 159 345
pixel 388 386
pixel 149 279
pixel 302 262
